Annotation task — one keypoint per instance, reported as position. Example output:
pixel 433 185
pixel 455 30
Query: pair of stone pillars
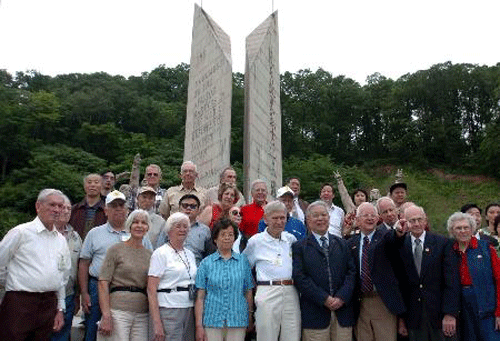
pixel 208 119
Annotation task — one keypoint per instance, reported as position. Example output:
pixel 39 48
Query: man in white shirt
pixel 300 205
pixel 277 301
pixel 36 261
pixel 336 213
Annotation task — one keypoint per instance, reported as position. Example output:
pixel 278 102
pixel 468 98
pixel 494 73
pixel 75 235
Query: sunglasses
pixel 152 174
pixel 236 213
pixel 191 206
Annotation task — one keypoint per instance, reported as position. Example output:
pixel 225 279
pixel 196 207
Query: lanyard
pixel 185 262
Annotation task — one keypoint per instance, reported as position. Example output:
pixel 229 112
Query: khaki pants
pixel 278 313
pixel 225 334
pixel 375 321
pixel 335 332
pixel 127 326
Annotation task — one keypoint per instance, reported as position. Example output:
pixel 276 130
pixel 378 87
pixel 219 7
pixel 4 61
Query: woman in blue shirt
pixel 224 303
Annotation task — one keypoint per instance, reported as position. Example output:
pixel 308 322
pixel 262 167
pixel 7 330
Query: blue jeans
pixel 65 332
pixel 94 316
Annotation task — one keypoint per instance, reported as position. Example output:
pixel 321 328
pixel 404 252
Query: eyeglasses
pixel 191 206
pixel 368 215
pixel 152 174
pixel 235 213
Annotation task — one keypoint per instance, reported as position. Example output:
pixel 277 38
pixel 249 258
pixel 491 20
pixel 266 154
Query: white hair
pixel 132 216
pixel 175 218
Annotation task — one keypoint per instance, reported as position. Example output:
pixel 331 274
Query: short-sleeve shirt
pixel 272 257
pixel 125 266
pixel 174 269
pixel 226 282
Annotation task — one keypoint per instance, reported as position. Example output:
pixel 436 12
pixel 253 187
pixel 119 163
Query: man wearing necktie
pixel 379 297
pixel 324 274
pixel 431 287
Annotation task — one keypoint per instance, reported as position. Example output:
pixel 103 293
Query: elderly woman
pixel 480 279
pixel 171 284
pixel 224 302
pixel 72 296
pixel 228 196
pixel 122 284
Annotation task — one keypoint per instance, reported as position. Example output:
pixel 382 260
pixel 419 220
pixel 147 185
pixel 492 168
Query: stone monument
pixel 262 133
pixel 208 118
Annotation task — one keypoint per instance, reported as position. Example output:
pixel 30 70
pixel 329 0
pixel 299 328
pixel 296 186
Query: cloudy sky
pixel 354 38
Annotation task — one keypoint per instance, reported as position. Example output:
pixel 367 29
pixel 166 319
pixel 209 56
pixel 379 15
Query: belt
pixel 94 278
pixel 173 289
pixel 279 282
pixel 131 289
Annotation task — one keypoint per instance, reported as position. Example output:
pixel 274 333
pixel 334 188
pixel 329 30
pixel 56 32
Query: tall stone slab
pixel 208 117
pixel 262 133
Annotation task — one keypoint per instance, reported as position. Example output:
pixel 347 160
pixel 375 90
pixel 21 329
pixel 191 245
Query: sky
pixel 355 38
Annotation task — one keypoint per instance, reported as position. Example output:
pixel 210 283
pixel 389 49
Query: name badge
pixel 61 264
pixel 278 261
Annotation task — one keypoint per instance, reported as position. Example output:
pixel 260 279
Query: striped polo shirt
pixel 225 281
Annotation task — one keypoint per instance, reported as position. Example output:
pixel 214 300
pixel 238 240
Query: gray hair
pixel 418 207
pixel 223 173
pixel 132 216
pixel 377 204
pixel 190 163
pixel 91 174
pixel 258 181
pixel 315 204
pixel 155 166
pixel 363 205
pixel 175 218
pixel 274 206
pixel 47 192
pixel 459 216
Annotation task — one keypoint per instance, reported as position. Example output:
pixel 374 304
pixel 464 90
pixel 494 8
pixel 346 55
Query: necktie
pixel 417 255
pixel 366 280
pixel 324 246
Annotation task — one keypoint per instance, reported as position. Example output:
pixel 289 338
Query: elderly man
pixel 336 213
pixel 153 179
pixel 324 274
pixel 36 261
pixel 199 238
pixel 380 300
pixel 252 213
pixel 227 176
pixel 388 212
pixel 299 205
pixel 94 249
pixel 146 201
pixel 432 289
pixel 90 211
pixel 108 182
pixel 293 225
pixel 277 301
pixel 170 202
pixel 72 294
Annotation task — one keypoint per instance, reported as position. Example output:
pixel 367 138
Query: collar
pixel 268 237
pixel 219 257
pixel 195 188
pixel 112 230
pixel 422 238
pixel 318 237
pixel 473 244
pixel 40 227
pixel 370 236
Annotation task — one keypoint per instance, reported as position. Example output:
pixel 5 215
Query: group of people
pixel 201 264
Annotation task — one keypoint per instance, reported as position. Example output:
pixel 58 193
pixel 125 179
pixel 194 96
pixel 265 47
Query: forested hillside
pixel 53 130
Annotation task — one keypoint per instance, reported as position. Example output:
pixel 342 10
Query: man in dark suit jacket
pixel 324 274
pixel 379 299
pixel 432 287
